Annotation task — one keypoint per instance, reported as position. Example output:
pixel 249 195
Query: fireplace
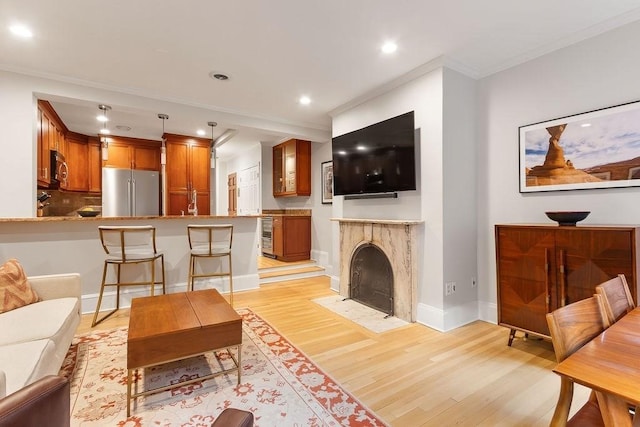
pixel 392 246
pixel 371 278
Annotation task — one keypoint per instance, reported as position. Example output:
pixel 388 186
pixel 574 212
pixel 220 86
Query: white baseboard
pixel 449 319
pixel 488 311
pixel 90 301
pixel 335 283
pixel 322 259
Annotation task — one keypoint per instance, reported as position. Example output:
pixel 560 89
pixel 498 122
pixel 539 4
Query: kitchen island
pixel 50 245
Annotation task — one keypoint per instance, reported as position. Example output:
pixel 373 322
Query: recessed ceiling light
pixel 304 100
pixel 200 132
pixel 105 131
pixel 389 47
pixel 585 125
pixel 218 76
pixel 21 31
pixel 102 118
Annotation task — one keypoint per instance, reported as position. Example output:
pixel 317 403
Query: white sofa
pixel 36 338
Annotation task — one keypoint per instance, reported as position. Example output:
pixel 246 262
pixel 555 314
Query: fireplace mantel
pixel 379 221
pixel 398 240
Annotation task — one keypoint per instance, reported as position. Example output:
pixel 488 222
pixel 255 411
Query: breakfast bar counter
pixel 52 245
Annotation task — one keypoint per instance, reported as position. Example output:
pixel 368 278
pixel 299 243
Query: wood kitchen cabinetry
pixel 77 157
pixel 291 238
pixel 292 168
pixel 541 268
pixel 133 153
pixel 187 169
pixel 95 165
pixel 50 136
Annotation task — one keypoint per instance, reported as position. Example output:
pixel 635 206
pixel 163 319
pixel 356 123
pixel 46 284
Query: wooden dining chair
pixel 616 297
pixel 571 327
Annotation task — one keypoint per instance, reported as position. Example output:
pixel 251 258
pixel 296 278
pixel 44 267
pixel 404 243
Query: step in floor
pixel 283 272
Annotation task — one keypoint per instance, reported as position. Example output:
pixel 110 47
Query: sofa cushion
pixel 15 291
pixel 29 361
pixel 44 319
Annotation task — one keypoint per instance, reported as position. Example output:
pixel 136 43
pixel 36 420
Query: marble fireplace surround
pixel 397 239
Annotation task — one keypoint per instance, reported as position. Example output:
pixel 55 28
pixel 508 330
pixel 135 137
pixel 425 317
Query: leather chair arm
pixel 45 402
pixel 232 417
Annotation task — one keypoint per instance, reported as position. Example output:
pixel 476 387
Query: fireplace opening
pixel 371 278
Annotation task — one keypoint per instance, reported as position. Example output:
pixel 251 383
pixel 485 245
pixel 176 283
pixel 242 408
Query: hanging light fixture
pixel 104 131
pixel 213 149
pixel 163 147
pixel 104 119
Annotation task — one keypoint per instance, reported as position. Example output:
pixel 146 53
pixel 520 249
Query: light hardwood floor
pixel 412 376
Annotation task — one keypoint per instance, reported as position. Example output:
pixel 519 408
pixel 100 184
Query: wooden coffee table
pixel 171 327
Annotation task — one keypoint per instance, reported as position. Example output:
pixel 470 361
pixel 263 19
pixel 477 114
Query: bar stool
pixel 210 241
pixel 128 245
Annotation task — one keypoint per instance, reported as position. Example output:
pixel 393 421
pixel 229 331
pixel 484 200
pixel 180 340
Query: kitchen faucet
pixel 192 208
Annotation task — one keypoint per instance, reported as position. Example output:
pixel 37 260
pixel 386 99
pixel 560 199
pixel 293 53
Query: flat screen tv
pixel 379 158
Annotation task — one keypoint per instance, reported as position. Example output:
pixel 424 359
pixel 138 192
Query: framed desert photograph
pixel 597 149
pixel 327 182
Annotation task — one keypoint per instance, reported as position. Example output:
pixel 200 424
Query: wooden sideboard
pixel 543 267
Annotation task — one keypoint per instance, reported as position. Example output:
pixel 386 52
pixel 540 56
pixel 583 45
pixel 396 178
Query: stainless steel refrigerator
pixel 128 192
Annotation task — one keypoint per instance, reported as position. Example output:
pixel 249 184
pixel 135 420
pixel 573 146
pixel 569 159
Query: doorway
pixel 232 188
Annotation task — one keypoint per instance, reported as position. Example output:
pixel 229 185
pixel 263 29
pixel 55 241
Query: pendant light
pixel 163 147
pixel 104 131
pixel 213 149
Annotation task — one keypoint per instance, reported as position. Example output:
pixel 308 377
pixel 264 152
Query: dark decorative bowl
pixel 86 214
pixel 567 218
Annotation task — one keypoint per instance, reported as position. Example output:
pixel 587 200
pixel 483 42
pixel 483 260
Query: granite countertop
pixel 286 212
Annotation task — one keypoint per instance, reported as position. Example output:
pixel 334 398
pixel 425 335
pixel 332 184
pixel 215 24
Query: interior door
pixel 232 189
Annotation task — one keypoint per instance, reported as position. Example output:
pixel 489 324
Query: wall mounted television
pixel 379 158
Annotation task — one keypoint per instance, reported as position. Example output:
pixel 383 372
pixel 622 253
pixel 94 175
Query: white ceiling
pixel 275 51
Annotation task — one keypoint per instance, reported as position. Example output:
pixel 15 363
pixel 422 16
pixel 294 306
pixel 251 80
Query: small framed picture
pixel 327 182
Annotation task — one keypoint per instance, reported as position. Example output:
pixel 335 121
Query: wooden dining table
pixel 609 365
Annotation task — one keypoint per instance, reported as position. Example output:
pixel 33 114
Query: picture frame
pixel 326 171
pixel 596 149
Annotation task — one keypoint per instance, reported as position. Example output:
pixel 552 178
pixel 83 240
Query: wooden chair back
pixel 574 325
pixel 571 327
pixel 616 297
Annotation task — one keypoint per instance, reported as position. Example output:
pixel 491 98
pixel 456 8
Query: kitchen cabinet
pixel 50 136
pixel 292 168
pixel 291 238
pixel 132 153
pixel 541 268
pixel 77 157
pixel 95 165
pixel 187 169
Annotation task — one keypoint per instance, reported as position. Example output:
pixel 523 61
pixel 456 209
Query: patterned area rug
pixel 367 317
pixel 279 384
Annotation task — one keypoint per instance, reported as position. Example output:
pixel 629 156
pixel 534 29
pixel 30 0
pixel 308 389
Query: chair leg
pixel 230 282
pixel 191 272
pixel 118 288
pixel 153 276
pixel 102 285
pixel 164 290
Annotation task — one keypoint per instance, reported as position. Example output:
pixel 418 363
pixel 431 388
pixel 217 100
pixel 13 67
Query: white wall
pixel 321 226
pixel 596 73
pixel 459 197
pixel 440 143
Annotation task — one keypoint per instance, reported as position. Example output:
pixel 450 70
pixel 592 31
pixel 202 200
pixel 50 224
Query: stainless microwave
pixel 59 168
